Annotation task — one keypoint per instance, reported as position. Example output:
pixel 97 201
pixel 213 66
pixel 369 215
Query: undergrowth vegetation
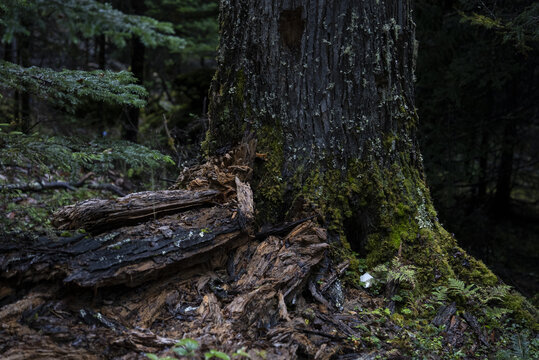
pixel 190 349
pixel 505 318
pixel 84 168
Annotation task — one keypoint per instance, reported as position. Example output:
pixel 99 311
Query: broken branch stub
pixel 246 208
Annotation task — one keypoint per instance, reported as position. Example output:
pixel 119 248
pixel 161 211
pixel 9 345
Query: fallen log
pixel 40 186
pixel 97 215
pixel 127 256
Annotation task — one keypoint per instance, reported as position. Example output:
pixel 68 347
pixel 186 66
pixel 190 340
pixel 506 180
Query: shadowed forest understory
pixel 311 180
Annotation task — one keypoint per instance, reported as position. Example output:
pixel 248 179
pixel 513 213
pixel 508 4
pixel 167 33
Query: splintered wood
pixel 220 172
pixel 156 267
pixel 277 266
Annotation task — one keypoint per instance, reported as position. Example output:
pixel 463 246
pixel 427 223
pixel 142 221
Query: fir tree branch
pixel 67 88
pixel 89 18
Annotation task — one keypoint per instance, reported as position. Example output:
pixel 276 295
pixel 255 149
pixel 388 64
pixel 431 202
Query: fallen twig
pixel 41 186
pixel 321 333
pixel 341 268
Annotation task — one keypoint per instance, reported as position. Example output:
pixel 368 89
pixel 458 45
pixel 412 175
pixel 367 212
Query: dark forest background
pixel 476 94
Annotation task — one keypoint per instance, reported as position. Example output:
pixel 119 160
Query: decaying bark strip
pixel 97 215
pixel 246 208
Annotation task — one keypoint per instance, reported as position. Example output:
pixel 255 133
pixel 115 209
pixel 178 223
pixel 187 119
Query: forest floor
pixel 201 281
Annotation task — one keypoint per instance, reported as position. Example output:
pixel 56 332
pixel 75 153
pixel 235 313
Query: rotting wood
pixel 320 333
pixel 118 322
pixel 284 264
pixel 444 314
pixel 220 172
pixel 340 269
pixel 280 229
pixel 478 329
pixel 195 274
pixel 128 256
pixel 317 295
pixel 97 215
pixel 266 305
pixel 39 326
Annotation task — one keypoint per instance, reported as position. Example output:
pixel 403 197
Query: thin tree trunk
pixel 131 114
pixel 130 126
pixel 101 45
pixel 23 98
pixel 101 51
pixel 484 150
pixel 8 56
pixel 505 169
pixel 483 165
pixel 502 200
pixel 8 52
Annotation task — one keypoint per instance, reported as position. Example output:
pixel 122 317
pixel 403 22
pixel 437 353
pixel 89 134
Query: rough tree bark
pixel 326 88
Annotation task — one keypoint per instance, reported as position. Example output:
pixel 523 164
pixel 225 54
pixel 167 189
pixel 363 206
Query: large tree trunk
pixel 326 88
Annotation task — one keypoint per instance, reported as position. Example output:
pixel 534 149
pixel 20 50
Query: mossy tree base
pixel 326 88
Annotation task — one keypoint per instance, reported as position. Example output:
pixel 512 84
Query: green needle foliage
pixel 87 18
pixel 68 88
pixel 76 20
pixel 92 18
pixel 74 154
pixel 521 29
pixel 194 20
pixel 10 19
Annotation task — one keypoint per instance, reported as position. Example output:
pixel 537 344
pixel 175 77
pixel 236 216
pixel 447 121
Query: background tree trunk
pixel 502 200
pixel 326 88
pixel 131 113
pixel 22 98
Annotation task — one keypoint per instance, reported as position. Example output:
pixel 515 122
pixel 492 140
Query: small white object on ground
pixel 366 279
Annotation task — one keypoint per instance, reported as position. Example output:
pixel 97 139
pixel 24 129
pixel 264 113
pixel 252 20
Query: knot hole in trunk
pixel 291 27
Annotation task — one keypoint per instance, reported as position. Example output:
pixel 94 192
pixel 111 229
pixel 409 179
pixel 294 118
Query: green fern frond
pixel 457 287
pixel 440 294
pixel 397 272
pixel 495 294
pixel 520 348
pixel 496 312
